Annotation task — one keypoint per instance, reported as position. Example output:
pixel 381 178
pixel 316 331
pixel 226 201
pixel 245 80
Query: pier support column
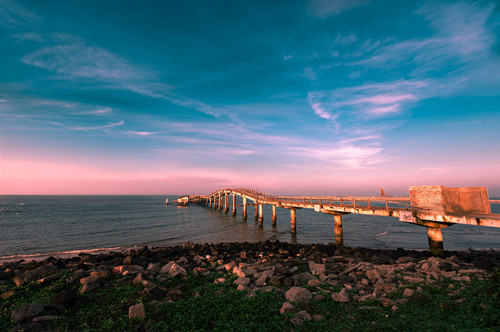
pixel 293 221
pixel 210 202
pixel 261 216
pixel 256 210
pixel 244 214
pixel 337 229
pixel 220 202
pixel 234 204
pixel 435 237
pixel 274 215
pixel 226 205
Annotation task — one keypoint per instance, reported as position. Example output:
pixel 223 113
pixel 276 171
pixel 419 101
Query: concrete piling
pixel 244 208
pixel 274 215
pixel 435 237
pixel 293 221
pixel 234 204
pixel 338 231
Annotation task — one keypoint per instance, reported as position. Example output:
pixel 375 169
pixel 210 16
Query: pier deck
pixel 434 207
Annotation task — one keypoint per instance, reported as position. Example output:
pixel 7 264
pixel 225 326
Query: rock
pixel 275 281
pixel 408 292
pixel 317 317
pixel 229 266
pixel 303 278
pixel 90 279
pixel 27 312
pixel 261 281
pixel 153 268
pixel 156 293
pixel 286 308
pixel 177 271
pixel 198 259
pixel 282 270
pixel 241 287
pixel 484 263
pixel 101 273
pixel 386 301
pixel 127 269
pixel 242 272
pixel 316 268
pixel 137 311
pixel 89 287
pixel 43 318
pixel 372 274
pixel 342 296
pixel 300 317
pixel 413 280
pixel 242 281
pixel 220 281
pixel 319 297
pixel 314 282
pixel 182 260
pixel 127 260
pixel 138 279
pixel 64 298
pixel 9 293
pixel 298 295
pixel 449 274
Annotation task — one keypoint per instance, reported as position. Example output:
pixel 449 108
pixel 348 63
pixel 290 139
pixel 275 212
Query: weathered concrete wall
pixel 444 200
pixel 467 200
pixel 427 197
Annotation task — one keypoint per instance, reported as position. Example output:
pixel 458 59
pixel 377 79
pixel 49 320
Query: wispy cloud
pixel 369 100
pixel 459 37
pixel 348 156
pixel 13 15
pixel 142 133
pixel 110 125
pixel 324 8
pixel 72 57
pixel 99 111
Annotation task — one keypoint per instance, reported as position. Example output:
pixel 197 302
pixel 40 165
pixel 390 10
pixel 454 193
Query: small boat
pixel 166 201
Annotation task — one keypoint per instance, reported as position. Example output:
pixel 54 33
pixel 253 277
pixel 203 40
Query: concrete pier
pixel 434 207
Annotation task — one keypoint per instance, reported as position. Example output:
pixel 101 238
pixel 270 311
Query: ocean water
pixel 33 225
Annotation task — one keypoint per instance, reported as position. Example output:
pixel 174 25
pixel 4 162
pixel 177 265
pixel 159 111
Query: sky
pixel 319 97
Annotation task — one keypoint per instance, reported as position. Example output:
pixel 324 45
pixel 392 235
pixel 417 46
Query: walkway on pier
pixel 434 207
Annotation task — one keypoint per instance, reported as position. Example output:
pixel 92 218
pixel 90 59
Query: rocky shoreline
pixel 302 274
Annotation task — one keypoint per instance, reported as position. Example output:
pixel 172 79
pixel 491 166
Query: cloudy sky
pixel 297 97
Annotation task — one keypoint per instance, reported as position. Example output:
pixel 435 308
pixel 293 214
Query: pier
pixel 433 207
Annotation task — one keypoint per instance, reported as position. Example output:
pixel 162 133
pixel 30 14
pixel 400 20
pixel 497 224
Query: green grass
pixel 204 305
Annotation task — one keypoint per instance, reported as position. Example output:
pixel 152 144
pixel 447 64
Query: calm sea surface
pixel 31 225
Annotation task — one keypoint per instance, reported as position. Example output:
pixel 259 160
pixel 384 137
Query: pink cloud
pixel 387 99
pixel 384 110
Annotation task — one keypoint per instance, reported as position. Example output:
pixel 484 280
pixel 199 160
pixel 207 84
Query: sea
pixel 34 227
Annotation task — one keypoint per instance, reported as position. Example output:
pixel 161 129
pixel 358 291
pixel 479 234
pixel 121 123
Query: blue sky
pixel 317 97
